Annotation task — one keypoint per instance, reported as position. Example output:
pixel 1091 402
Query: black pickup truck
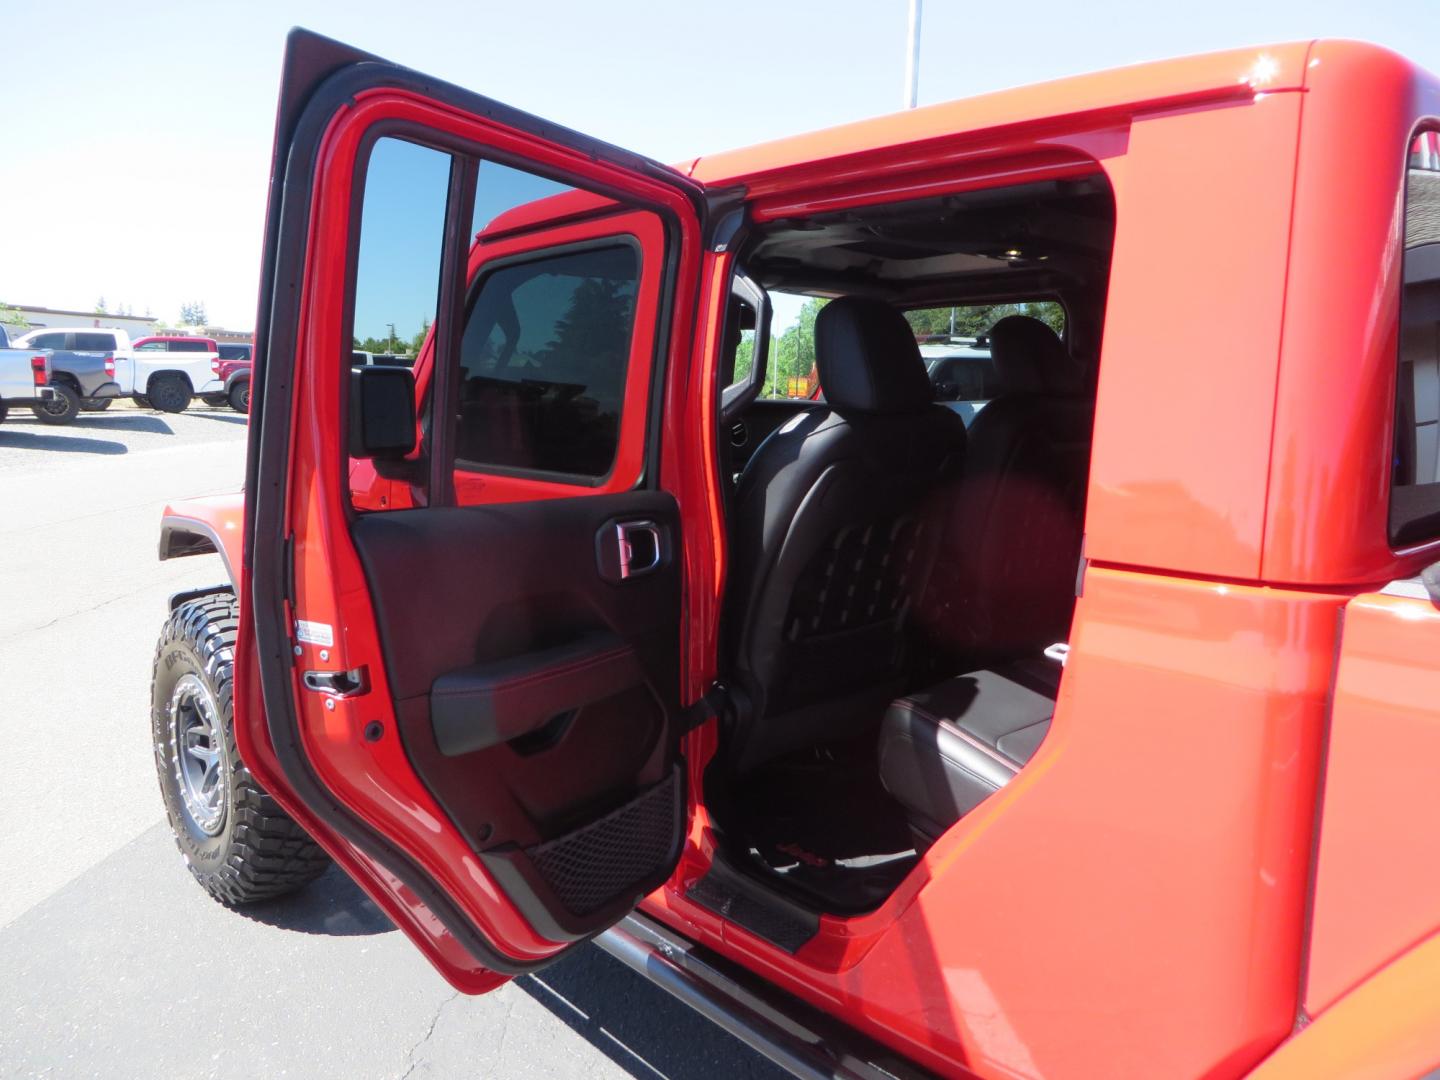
pixel 82 373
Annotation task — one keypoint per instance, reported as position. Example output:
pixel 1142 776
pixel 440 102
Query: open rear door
pixel 470 694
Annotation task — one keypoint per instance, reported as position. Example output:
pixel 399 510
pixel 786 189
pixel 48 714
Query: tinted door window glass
pixel 189 346
pixel 94 343
pixel 543 362
pixel 48 341
pixel 1415 491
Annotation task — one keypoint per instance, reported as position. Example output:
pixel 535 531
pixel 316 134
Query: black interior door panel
pixel 537 693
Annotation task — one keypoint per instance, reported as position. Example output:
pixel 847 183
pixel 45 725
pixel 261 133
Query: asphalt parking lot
pixel 112 962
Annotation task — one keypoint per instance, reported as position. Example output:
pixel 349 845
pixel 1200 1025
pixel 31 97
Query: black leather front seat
pixel 945 750
pixel 1005 583
pixel 833 538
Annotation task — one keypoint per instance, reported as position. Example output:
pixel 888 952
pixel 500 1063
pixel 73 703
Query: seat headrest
pixel 1030 358
pixel 867 358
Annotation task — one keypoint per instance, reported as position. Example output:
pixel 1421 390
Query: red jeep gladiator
pixel 1099 738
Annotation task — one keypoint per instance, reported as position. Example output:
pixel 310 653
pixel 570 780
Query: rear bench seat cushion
pixel 945 749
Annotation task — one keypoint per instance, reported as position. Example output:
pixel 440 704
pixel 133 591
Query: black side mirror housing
pixel 382 412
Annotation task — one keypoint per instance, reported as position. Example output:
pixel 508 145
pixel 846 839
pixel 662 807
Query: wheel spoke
pixel 207 754
pixel 210 782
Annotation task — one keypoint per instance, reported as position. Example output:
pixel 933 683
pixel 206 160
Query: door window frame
pixel 625 218
pixel 637 230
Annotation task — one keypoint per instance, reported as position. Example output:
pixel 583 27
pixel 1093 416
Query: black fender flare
pixel 181 536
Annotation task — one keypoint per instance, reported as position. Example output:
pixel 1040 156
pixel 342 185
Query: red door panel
pixel 395 665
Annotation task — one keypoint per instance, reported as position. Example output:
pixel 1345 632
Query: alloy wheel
pixel 199 756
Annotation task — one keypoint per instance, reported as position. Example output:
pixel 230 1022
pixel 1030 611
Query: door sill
pixel 780 1027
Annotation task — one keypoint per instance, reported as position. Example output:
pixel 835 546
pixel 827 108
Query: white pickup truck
pixel 24 376
pixel 153 377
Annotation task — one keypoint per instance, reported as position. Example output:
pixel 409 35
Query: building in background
pixel 49 318
pixel 136 326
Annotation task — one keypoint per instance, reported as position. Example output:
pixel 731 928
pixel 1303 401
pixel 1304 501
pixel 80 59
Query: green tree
pixel 792 355
pixel 978 318
pixel 744 356
pixel 11 316
pixel 192 313
pixel 596 326
pixel 419 338
pixel 100 308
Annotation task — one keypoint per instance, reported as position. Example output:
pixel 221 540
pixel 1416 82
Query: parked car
pixel 194 347
pixel 233 368
pixel 24 377
pixel 229 364
pixel 148 371
pixel 362 357
pixel 82 371
pixel 962 374
pixel 867 757
pixel 175 343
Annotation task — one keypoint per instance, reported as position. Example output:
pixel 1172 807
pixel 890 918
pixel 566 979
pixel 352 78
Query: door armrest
pixel 484 705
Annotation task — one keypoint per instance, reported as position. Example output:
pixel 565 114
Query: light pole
pixel 392 336
pixel 912 55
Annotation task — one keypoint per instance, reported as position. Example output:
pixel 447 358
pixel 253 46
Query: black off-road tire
pixel 60 409
pixel 215 401
pixel 95 404
pixel 170 393
pixel 257 852
pixel 240 396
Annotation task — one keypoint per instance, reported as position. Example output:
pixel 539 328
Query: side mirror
pixel 382 412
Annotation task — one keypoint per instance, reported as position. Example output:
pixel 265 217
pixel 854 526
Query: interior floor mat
pixel 820 820
pixel 845 886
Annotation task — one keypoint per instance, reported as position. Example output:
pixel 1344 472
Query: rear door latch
pixel 337 683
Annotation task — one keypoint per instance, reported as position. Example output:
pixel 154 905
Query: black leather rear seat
pixel 946 749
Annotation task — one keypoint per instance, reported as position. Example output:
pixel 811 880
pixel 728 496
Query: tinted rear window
pixel 189 346
pixel 94 342
pixel 543 362
pixel 235 352
pixel 1415 482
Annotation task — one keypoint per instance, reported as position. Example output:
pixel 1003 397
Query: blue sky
pixel 136 145
pixel 402 225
